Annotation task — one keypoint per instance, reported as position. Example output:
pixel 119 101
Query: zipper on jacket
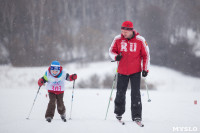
pixel 128 45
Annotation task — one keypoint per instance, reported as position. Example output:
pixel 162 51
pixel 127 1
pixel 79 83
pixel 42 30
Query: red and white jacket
pixel 135 54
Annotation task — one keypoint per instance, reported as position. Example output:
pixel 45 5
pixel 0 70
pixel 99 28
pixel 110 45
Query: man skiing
pixel 55 77
pixel 132 52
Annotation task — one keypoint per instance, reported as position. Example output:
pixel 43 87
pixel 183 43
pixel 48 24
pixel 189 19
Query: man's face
pixel 127 33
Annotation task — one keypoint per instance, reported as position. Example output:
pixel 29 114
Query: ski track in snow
pixel 167 110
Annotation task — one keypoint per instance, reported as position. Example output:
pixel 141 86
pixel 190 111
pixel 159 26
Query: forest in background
pixel 35 32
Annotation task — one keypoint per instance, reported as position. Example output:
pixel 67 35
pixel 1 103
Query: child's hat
pixel 55 65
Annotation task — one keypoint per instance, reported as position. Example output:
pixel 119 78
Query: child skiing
pixel 55 77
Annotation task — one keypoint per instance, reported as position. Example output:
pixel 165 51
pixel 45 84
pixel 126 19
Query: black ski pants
pixel 120 100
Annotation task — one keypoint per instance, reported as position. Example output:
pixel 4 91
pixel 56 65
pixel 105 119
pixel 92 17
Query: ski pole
pixel 72 100
pixel 112 90
pixel 149 100
pixel 33 103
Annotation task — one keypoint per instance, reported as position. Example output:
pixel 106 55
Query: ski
pixel 119 118
pixel 139 123
pixel 122 122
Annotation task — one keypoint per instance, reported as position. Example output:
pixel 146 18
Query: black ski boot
pixel 63 117
pixel 137 119
pixel 48 119
pixel 119 117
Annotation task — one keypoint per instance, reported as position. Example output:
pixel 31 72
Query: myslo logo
pixel 185 129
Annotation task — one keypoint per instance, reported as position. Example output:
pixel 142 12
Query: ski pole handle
pixel 115 60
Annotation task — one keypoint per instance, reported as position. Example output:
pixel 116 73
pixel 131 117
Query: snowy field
pixel 172 106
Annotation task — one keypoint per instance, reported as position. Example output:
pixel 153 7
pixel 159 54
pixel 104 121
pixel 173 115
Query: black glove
pixel 144 73
pixel 118 57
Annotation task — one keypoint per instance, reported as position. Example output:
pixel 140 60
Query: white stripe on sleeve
pixel 147 64
pixel 112 54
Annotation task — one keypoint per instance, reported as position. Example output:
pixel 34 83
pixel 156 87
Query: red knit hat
pixel 127 25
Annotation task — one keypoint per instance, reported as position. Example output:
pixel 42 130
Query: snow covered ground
pixel 172 106
pixel 162 78
pixel 167 110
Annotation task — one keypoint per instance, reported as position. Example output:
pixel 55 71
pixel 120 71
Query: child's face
pixel 55 72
